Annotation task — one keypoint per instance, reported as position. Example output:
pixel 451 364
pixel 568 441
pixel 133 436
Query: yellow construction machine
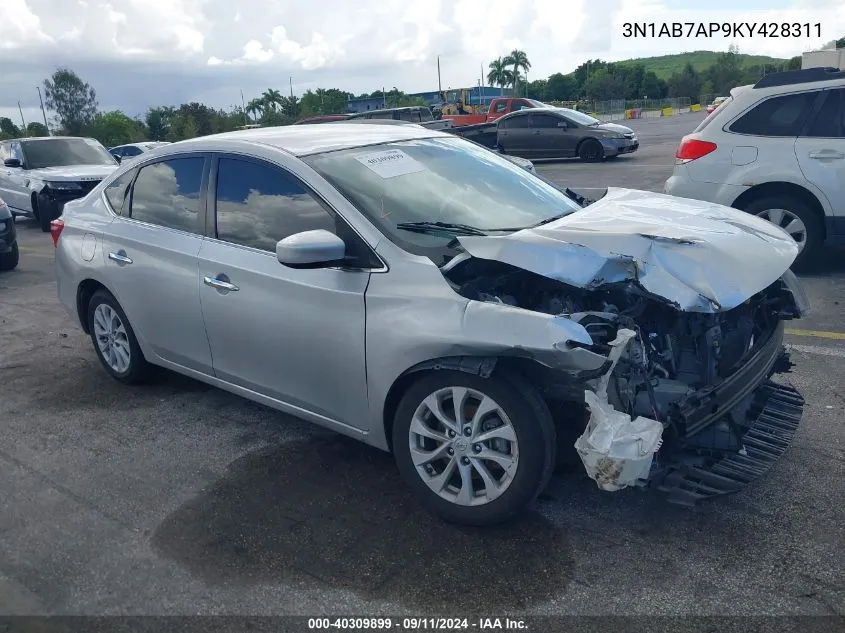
pixel 458 102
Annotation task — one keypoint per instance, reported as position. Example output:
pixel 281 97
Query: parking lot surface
pixel 177 498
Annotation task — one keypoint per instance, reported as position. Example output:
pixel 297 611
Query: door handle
pixel 826 153
pixel 220 284
pixel 120 257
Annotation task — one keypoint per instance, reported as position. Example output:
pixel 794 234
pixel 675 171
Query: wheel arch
pixel 84 291
pixel 484 366
pixel 782 188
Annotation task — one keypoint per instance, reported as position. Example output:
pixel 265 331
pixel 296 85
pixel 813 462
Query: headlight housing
pixel 63 186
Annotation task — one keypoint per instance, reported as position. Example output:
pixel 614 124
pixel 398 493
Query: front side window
pixel 447 180
pixel 5 152
pixel 778 116
pixel 515 122
pixel 545 121
pixel 61 152
pixel 501 106
pixel 131 151
pixel 117 192
pixel 168 193
pixel 259 204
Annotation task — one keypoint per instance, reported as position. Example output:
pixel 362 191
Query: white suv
pixel 775 149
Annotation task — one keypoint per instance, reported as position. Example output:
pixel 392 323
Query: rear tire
pixel 9 261
pixel 490 479
pixel 114 340
pixel 792 212
pixel 590 151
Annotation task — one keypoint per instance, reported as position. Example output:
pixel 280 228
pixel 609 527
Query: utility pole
pixel 43 111
pixel 23 122
pixel 291 86
pixel 243 105
pixel 439 85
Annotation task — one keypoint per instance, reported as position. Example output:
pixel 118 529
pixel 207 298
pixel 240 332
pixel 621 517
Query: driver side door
pixel 295 335
pixel 15 181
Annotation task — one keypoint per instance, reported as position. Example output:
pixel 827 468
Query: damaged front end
pixel 682 401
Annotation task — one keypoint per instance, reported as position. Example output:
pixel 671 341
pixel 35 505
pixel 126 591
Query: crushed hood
pixel 701 257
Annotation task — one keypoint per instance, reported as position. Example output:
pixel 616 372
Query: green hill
pixel 665 65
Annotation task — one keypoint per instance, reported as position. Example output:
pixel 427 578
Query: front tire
pixel 9 260
pixel 47 212
pixel 479 463
pixel 114 340
pixel 591 151
pixel 796 218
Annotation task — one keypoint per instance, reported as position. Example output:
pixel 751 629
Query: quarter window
pixel 830 120
pixel 117 192
pixel 778 116
pixel 516 122
pixel 167 193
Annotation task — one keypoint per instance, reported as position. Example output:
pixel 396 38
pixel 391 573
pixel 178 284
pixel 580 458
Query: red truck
pixel 498 108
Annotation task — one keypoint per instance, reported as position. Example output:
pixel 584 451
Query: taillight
pixel 56 227
pixel 692 148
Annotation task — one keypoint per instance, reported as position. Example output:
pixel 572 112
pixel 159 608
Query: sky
pixel 142 53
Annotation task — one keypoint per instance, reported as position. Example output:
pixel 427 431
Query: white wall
pixel 819 59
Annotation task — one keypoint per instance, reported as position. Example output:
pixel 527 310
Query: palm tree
pixel 518 60
pixel 255 107
pixel 499 74
pixel 272 98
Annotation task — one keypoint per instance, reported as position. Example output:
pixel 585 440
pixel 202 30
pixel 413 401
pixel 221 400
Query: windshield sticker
pixel 390 163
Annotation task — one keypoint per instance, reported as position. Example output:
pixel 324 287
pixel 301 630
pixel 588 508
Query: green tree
pixel 272 99
pixel 727 72
pixel 115 128
pixel 561 87
pixel 518 61
pixel 182 127
pixel 158 122
pixel 840 43
pixel 686 83
pixel 37 129
pixel 652 87
pixel 794 63
pixel 499 74
pixel 73 100
pixel 603 85
pixel 255 107
pixel 290 110
pixel 8 129
pixel 537 89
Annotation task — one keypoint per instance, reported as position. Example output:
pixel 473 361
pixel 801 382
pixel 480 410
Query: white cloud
pixel 177 50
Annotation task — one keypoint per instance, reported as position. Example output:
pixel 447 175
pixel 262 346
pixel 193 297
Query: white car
pixel 38 176
pixel 130 150
pixel 775 149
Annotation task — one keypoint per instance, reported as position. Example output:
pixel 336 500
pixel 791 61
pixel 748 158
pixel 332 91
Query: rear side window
pixel 118 192
pixel 778 116
pixel 829 122
pixel 167 193
pixel 515 123
pixel 545 121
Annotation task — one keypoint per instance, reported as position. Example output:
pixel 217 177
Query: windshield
pixel 61 152
pixel 578 117
pixel 447 180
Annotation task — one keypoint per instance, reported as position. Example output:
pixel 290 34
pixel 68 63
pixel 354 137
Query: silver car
pixel 415 291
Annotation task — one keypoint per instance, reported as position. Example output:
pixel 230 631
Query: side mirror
pixel 310 249
pixel 12 162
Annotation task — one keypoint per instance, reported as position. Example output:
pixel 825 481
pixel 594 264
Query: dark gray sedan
pixel 562 133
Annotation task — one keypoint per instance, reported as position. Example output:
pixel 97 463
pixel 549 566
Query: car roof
pixel 50 138
pixel 303 140
pixel 527 111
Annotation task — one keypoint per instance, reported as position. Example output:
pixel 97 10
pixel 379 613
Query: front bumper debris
pixel 771 423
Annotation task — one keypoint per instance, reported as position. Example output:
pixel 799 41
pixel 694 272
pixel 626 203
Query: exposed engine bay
pixel 676 369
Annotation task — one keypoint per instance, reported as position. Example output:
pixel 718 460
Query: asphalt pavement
pixel 177 498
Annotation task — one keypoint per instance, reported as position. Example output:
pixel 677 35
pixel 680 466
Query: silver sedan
pixel 415 291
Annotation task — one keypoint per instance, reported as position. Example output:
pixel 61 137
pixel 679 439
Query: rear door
pixel 514 135
pixel 821 149
pixel 16 180
pixel 151 252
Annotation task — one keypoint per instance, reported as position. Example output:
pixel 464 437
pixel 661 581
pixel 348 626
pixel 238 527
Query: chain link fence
pixel 613 109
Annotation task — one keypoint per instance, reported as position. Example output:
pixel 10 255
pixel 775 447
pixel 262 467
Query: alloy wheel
pixel 463 446
pixel 112 339
pixel 789 222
